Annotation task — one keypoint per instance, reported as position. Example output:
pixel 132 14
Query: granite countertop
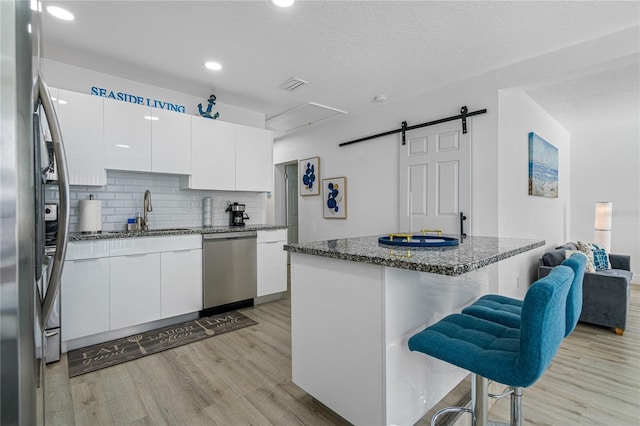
pixel 473 253
pixel 77 236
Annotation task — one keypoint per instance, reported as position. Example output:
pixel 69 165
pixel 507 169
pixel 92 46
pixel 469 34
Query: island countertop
pixel 473 253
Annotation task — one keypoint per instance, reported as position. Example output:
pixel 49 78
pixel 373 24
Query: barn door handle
pixel 462 219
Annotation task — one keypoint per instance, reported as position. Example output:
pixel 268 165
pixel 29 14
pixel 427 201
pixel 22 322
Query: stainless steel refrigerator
pixel 28 285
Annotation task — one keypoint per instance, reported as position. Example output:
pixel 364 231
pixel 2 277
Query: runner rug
pixel 114 352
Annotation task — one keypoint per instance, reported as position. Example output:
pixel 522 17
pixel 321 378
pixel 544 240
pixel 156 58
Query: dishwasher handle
pixel 230 235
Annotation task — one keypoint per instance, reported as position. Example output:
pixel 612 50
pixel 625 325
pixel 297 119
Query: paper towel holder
pixel 90 212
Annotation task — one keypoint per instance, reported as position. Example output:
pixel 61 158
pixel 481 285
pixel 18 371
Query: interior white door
pixel 435 179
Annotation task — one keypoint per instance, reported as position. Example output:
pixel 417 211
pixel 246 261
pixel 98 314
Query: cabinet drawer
pixel 128 246
pixel 272 235
pixel 87 249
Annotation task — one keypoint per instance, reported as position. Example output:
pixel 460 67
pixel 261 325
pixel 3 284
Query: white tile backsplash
pixel 173 207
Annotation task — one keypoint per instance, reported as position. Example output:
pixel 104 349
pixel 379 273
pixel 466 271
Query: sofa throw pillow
pixel 600 259
pixel 553 258
pixel 585 247
pixel 590 266
pixel 600 256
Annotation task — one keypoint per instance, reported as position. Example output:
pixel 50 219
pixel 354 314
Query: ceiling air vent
pixel 293 84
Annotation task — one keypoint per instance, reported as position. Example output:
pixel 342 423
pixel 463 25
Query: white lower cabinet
pixel 84 290
pixel 180 282
pixel 84 298
pixel 117 283
pixel 272 262
pixel 135 289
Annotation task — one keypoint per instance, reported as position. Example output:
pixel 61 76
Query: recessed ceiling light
pixel 215 66
pixel 60 13
pixel 283 3
pixel 149 117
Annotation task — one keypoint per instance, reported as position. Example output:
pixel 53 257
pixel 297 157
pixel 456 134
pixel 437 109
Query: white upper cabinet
pixel 230 157
pixel 170 142
pixel 81 124
pixel 127 136
pixel 254 159
pixel 102 133
pixel 213 154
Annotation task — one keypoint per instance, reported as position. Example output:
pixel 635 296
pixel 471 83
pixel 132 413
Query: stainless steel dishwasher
pixel 229 265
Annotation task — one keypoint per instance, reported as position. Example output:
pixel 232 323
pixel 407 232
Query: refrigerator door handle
pixel 63 187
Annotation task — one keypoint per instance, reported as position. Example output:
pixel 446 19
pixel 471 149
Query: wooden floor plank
pixel 244 377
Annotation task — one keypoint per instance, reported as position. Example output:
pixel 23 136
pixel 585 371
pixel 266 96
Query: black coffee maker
pixel 237 214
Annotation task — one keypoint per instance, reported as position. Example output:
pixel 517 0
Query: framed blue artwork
pixel 309 175
pixel 334 194
pixel 543 167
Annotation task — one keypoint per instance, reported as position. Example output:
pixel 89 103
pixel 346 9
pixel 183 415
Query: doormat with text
pixel 114 352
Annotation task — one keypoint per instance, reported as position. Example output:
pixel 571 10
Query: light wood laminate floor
pixel 244 378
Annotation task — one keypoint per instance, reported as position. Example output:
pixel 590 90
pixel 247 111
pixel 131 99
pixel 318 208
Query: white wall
pixel 123 196
pixel 521 215
pixel 77 79
pixel 371 167
pixel 606 167
pixel 501 205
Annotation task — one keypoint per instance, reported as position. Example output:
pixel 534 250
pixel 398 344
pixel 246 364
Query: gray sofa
pixel 605 293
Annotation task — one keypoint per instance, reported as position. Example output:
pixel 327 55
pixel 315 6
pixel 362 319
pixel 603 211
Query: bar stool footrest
pixel 453 409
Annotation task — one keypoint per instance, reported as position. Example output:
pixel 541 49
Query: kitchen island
pixel 354 305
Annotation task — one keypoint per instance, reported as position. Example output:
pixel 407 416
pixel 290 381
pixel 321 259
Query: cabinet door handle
pixel 51 333
pixel 272 242
pixel 93 259
pixel 136 255
pixel 182 251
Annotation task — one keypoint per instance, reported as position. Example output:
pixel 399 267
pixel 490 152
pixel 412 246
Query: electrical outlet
pixel 518 281
pixel 190 207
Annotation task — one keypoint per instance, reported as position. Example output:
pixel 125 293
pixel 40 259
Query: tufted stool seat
pixel 506 310
pixel 515 357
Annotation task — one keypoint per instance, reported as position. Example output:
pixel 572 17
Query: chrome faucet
pixel 147 208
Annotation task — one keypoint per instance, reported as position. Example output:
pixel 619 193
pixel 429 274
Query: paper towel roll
pixel 90 215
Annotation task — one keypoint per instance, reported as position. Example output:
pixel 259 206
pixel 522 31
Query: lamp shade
pixel 603 216
pixel 602 226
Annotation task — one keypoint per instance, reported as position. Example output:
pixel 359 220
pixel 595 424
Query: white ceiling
pixel 599 100
pixel 349 51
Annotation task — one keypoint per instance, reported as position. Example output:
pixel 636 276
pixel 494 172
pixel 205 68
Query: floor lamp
pixel 602 227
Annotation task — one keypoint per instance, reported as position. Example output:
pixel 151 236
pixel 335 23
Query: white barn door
pixel 435 179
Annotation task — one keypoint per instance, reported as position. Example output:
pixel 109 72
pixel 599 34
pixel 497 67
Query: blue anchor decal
pixel 207 113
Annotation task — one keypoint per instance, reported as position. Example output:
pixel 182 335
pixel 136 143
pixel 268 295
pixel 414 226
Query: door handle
pixel 462 219
pixel 63 187
pixel 51 333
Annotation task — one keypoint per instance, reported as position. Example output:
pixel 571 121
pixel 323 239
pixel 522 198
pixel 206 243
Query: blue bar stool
pixel 491 351
pixel 506 310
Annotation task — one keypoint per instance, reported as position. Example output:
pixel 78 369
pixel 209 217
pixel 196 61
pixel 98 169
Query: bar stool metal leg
pixel 480 403
pixel 516 407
